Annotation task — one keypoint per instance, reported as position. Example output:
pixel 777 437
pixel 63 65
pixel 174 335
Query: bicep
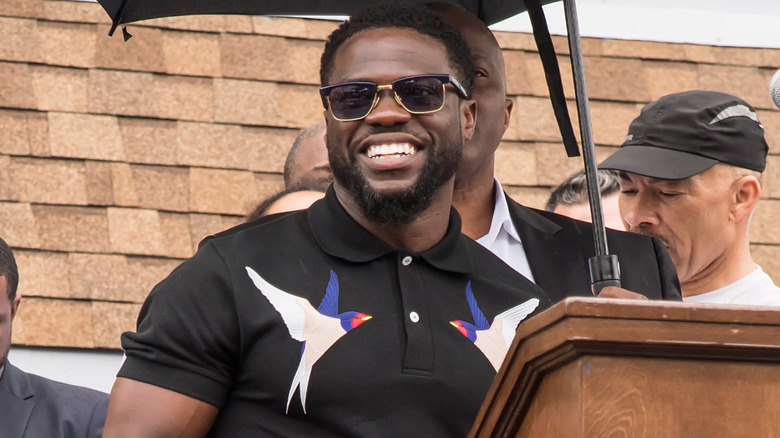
pixel 138 409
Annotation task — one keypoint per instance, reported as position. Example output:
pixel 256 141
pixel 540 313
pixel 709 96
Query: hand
pixel 619 292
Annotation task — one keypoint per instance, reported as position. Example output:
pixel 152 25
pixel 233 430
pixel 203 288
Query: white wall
pixel 93 369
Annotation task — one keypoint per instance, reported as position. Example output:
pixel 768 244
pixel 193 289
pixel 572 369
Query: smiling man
pixel 369 314
pixel 691 176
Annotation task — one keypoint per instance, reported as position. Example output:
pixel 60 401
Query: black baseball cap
pixel 684 134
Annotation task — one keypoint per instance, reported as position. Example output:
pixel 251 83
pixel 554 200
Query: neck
pixel 732 266
pixel 422 233
pixel 475 202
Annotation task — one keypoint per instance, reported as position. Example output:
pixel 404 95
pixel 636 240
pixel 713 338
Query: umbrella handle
pixel 604 271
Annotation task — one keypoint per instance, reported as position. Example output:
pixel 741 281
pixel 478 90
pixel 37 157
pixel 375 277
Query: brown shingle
pixel 111 320
pixel 294 27
pixel 99 187
pixel 516 164
pixel 763 224
pixel 144 52
pixel 533 120
pixel 122 92
pixel 739 81
pixel 161 187
pixel 16 89
pixel 67 44
pixel 20 39
pixel 21 8
pixel 149 141
pixel 60 89
pixel 135 231
pixel 268 147
pixel 270 58
pixel 211 145
pixel 524 73
pixel 85 136
pixel 77 12
pixel 14 136
pixel 665 77
pixel 41 274
pixel 191 53
pixel 71 228
pixel 615 79
pixel 534 197
pixel 19 227
pixel 203 225
pixel 221 191
pixel 176 233
pixel 261 103
pixel 54 323
pixel 44 181
pixel 184 98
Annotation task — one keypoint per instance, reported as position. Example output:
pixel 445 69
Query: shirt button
pixel 406 262
pixel 414 317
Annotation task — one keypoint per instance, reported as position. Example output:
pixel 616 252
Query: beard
pixel 395 208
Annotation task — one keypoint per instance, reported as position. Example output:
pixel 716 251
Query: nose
pixel 387 111
pixel 638 211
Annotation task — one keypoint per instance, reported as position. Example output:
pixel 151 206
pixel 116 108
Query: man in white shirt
pixel 549 249
pixel 690 175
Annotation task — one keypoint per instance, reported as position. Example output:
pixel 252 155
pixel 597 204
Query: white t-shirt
pixel 756 289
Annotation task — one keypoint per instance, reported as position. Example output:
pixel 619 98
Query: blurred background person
pixel 690 175
pixel 32 406
pixel 287 200
pixel 307 162
pixel 570 198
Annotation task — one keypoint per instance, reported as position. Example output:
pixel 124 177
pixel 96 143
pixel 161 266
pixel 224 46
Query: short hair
pixel 574 190
pixel 417 18
pixel 8 269
pixel 262 208
pixel 309 132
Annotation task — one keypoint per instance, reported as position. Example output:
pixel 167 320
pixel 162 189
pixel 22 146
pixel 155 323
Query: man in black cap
pixel 690 174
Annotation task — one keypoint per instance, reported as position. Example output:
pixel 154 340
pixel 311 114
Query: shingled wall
pixel 117 158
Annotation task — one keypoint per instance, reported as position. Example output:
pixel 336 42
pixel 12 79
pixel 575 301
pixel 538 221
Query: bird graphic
pixel 318 328
pixel 493 340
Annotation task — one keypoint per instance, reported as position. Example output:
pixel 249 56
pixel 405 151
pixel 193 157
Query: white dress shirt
pixel 503 240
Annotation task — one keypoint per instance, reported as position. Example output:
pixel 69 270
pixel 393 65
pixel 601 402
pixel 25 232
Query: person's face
pixel 311 167
pixel 493 108
pixel 7 313
pixel 392 163
pixel 690 216
pixel 609 208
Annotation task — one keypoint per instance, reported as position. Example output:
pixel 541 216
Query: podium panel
pixel 591 367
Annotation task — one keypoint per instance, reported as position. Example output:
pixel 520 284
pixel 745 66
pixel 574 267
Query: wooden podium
pixel 592 367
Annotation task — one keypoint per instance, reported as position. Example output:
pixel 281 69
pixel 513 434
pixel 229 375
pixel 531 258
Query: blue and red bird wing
pixel 330 302
pixel 480 322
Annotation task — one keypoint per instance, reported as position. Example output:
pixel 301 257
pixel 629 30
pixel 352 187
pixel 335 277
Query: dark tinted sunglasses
pixel 421 94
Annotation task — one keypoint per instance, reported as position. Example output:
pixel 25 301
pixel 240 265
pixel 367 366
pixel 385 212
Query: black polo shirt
pixel 208 332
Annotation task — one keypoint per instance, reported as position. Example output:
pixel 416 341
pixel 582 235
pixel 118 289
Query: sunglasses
pixel 421 94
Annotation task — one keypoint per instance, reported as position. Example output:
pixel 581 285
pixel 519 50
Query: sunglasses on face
pixel 421 94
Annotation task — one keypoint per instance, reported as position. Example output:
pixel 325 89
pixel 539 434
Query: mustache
pixel 648 233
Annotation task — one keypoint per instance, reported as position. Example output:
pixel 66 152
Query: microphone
pixel 774 88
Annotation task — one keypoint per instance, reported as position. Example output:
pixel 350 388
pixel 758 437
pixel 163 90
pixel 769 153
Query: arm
pixel 138 409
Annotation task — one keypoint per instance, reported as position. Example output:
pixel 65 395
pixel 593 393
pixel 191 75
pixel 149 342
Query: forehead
pixel 383 55
pixel 481 42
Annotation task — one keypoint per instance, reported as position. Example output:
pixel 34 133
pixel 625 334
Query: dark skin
pixel 474 196
pixel 137 409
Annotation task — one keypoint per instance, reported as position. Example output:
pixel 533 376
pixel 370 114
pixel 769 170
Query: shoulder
pixel 62 393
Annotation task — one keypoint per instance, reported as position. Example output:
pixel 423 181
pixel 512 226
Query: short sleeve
pixel 187 336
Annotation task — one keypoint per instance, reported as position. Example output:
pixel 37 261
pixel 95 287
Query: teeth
pixel 393 150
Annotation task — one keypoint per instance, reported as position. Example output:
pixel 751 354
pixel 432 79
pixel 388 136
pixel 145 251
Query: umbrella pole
pixel 604 268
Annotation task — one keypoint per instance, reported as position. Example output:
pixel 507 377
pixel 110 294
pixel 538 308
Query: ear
pixel 747 191
pixel 15 306
pixel 508 105
pixel 469 118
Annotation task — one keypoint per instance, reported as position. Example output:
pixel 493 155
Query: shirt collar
pixel 501 218
pixel 339 235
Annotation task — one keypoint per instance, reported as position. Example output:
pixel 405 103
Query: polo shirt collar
pixel 339 235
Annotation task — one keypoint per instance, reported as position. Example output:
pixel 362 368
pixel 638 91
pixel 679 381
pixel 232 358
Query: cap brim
pixel 657 162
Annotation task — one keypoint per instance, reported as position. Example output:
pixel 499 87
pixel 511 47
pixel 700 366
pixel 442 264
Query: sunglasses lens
pixel 352 101
pixel 420 94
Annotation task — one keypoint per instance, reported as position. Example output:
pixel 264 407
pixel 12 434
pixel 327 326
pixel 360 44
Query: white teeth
pixel 392 150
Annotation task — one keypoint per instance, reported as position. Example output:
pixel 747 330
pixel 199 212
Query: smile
pixel 394 150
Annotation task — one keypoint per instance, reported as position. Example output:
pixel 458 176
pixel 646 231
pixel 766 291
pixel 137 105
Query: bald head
pixel 493 108
pixel 307 162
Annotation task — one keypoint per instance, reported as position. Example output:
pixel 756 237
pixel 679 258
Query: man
pixel 548 249
pixel 307 162
pixel 691 176
pixel 368 314
pixel 32 406
pixel 286 200
pixel 570 198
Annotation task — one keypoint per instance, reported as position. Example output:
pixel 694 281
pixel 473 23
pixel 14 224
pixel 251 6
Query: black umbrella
pixel 604 267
